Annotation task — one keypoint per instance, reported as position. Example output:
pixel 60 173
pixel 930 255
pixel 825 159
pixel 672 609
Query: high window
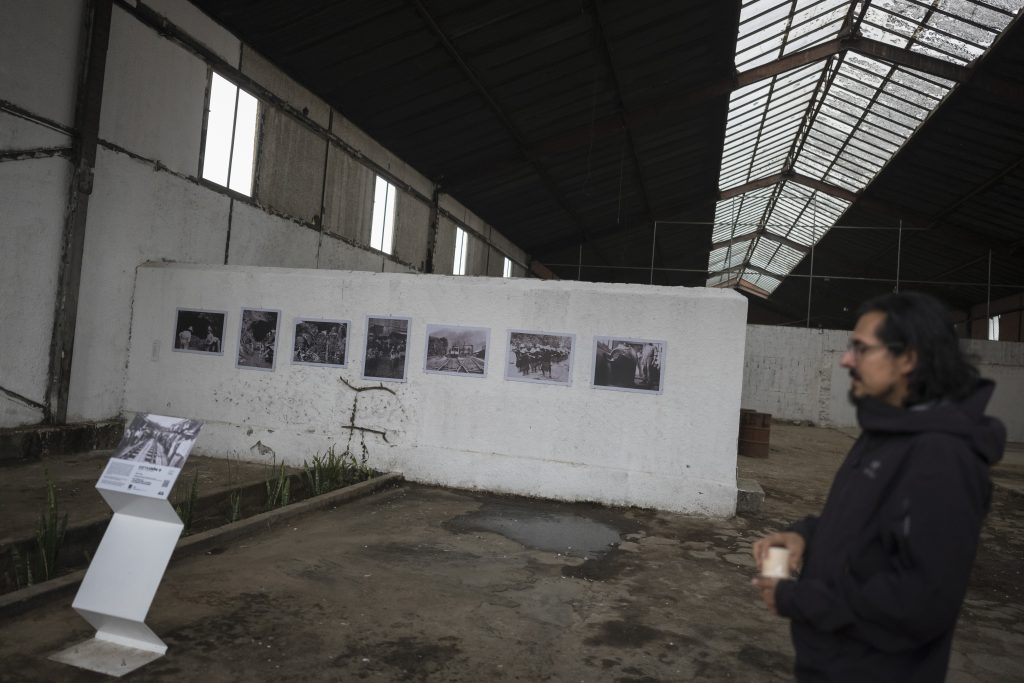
pixel 506 270
pixel 993 328
pixel 382 229
pixel 461 247
pixel 230 136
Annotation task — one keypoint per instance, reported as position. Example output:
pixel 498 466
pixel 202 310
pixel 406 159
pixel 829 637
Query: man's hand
pixel 767 588
pixel 790 540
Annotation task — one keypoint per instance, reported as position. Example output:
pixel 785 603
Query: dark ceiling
pixel 573 126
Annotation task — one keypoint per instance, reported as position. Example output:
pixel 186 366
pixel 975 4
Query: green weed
pixel 187 507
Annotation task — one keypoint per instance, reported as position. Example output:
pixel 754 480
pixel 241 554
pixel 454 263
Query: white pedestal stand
pixel 120 585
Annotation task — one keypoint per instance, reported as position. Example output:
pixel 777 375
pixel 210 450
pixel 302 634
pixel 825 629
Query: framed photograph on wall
pixel 384 355
pixel 626 364
pixel 198 331
pixel 456 350
pixel 539 357
pixel 257 339
pixel 321 343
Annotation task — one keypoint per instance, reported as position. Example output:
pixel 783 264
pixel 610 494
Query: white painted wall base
pixel 674 451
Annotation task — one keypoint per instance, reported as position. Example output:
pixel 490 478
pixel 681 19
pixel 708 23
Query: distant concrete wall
pixel 675 451
pixel 311 205
pixel 794 374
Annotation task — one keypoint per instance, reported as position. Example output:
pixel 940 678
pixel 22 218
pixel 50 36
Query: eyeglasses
pixel 859 348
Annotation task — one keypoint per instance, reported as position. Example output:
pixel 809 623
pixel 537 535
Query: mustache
pixel 854 374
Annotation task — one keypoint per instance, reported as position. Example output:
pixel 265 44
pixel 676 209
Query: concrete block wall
pixel 674 451
pixel 311 205
pixel 38 73
pixel 794 374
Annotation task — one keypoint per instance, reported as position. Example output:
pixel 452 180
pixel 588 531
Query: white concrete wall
pixel 673 451
pixel 794 374
pixel 39 44
pixel 148 204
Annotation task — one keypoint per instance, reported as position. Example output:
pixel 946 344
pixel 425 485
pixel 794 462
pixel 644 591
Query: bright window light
pixel 506 271
pixel 230 136
pixel 993 328
pixel 382 229
pixel 461 244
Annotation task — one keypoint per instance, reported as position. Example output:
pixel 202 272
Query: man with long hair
pixel 883 570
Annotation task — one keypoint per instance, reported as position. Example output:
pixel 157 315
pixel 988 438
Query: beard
pixel 851 395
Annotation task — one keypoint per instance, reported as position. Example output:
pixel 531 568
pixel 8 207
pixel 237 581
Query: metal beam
pixel 745 267
pixel 795 246
pixel 87 124
pixel 865 46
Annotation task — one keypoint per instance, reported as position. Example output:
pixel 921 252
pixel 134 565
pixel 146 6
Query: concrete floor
pixel 423 583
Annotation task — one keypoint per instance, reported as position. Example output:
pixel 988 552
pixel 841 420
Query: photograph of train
pixel 199 331
pixel 456 350
pixel 385 356
pixel 257 339
pixel 158 440
pixel 541 357
pixel 322 343
pixel 628 364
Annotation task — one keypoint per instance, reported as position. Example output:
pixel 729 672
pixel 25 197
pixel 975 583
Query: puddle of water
pixel 557 532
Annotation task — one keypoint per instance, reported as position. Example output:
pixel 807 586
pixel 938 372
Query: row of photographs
pixel 620 363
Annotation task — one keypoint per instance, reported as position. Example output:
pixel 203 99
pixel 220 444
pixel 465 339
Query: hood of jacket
pixel 965 418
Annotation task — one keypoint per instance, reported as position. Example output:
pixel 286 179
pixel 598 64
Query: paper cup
pixel 776 565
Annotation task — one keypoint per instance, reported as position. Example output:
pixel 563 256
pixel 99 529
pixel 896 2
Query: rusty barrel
pixel 755 433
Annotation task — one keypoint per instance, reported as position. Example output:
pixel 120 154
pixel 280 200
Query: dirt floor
pixel 423 583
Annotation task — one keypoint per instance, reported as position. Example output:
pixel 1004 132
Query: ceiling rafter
pixel 604 49
pixel 865 46
pixel 763 232
pixel 503 117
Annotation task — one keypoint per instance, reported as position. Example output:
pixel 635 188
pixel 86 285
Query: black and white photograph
pixel 158 440
pixel 386 342
pixel 322 343
pixel 456 350
pixel 257 339
pixel 199 331
pixel 628 364
pixel 540 357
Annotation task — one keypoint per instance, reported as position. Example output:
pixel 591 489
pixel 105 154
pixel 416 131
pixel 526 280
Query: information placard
pixel 150 456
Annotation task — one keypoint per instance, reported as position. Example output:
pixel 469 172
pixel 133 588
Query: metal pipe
pixel 899 254
pixel 654 241
pixel 988 291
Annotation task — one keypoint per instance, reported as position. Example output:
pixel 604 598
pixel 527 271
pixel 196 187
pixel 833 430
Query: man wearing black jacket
pixel 884 569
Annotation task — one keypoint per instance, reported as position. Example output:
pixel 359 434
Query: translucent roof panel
pixel 799 143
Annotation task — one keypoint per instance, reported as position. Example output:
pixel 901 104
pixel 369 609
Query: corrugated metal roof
pixel 742 134
pixel 817 134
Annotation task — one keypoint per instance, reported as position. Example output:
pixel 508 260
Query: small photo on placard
pixel 322 343
pixel 257 339
pixel 625 364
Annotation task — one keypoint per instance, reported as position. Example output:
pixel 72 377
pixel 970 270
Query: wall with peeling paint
pixel 674 451
pixel 148 204
pixel 794 374
pixel 38 73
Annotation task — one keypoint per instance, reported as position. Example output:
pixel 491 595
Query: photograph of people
pixel 385 355
pixel 628 364
pixel 545 358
